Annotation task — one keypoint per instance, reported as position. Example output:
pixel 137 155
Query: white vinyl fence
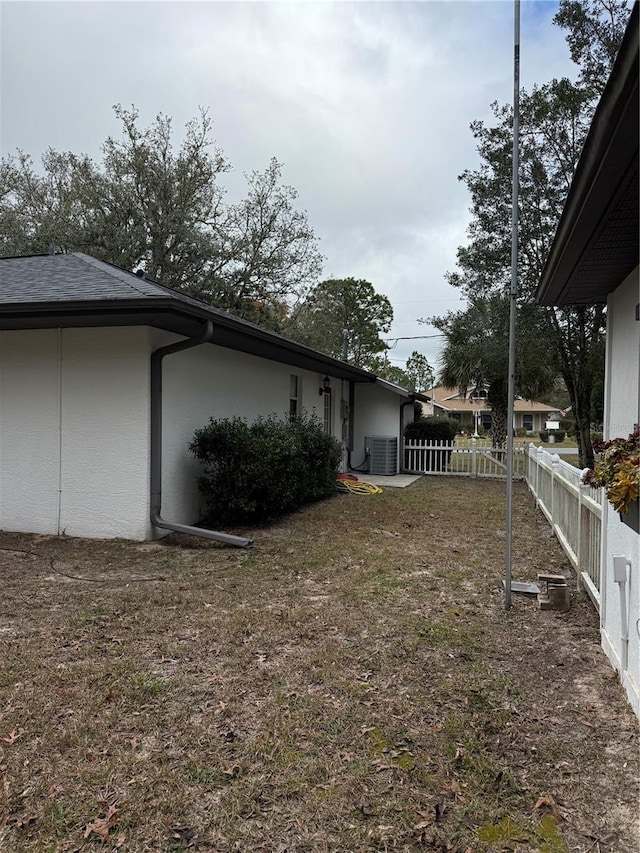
pixel 422 457
pixel 573 510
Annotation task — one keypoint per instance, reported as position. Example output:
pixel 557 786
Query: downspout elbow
pixel 155 490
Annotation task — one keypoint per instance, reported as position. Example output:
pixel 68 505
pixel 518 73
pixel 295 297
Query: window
pixel 327 412
pixel 527 422
pixel 294 395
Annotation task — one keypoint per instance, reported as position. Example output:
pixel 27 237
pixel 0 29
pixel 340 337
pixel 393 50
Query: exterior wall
pixel 75 423
pixel 377 412
pixel 74 426
pixel 212 382
pixel 539 419
pixel 29 431
pixel 622 411
pixel 105 433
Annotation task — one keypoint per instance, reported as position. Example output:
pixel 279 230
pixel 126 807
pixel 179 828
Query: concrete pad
pixel 393 481
pixel 524 587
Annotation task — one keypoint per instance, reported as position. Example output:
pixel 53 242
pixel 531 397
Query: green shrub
pixel 521 432
pixel 595 436
pixel 568 425
pixel 432 429
pixel 544 435
pixel 260 471
pixel 560 435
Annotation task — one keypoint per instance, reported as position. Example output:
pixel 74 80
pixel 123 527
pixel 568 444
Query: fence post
pixel 474 463
pixel 555 461
pixel 539 453
pixel 531 476
pixel 579 549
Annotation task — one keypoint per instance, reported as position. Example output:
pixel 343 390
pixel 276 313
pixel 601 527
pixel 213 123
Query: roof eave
pixel 180 318
pixel 608 163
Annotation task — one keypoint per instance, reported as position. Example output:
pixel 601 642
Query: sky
pixel 367 105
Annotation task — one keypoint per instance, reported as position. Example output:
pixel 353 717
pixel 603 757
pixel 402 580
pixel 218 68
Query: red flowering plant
pixel 617 470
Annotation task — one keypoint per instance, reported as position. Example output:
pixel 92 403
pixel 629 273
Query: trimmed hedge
pixel 559 435
pixel 432 429
pixel 568 425
pixel 437 431
pixel 257 472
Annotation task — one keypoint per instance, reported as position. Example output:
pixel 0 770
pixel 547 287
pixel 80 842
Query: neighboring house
pixel 94 428
pixel 469 407
pixel 594 259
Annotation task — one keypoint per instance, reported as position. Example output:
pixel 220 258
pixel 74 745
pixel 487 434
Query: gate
pixel 443 458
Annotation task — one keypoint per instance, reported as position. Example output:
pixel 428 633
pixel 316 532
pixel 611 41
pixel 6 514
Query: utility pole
pixel 513 299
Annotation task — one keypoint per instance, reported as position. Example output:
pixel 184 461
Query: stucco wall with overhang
pixel 622 411
pixel 623 358
pixel 377 413
pixel 75 422
pixel 74 431
pixel 214 382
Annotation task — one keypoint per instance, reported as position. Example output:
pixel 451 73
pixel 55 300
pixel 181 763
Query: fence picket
pixel 574 512
pixel 438 457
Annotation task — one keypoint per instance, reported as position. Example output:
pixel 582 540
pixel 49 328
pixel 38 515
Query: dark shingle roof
pixel 64 278
pixel 67 290
pixel 46 291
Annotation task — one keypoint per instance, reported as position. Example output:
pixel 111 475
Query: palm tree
pixel 476 352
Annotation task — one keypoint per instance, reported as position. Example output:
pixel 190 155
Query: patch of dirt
pixel 350 683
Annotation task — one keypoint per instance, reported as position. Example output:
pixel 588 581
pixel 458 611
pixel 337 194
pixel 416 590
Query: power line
pixel 410 338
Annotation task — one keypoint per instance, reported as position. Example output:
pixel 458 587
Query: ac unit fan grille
pixel 383 454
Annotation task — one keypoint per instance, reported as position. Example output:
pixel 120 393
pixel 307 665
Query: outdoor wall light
pixel 326 386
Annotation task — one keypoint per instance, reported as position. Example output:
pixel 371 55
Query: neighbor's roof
pixel 449 399
pixel 75 290
pixel 403 392
pixel 596 243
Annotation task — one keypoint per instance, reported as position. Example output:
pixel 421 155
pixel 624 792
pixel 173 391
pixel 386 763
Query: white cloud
pixel 368 105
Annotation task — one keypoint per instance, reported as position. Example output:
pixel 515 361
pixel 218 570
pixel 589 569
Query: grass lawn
pixel 466 441
pixel 351 683
pixel 568 443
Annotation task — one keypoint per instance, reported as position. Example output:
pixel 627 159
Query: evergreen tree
pixel 554 121
pixel 146 206
pixel 345 306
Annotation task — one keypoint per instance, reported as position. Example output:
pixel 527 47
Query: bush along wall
pixel 257 472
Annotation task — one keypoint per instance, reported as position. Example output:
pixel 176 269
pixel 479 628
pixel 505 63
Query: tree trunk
pixel 580 354
pixel 583 424
pixel 498 400
pixel 580 391
pixel 585 448
pixel 498 428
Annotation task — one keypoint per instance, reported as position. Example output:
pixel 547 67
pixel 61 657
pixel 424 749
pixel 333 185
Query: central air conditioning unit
pixel 383 454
